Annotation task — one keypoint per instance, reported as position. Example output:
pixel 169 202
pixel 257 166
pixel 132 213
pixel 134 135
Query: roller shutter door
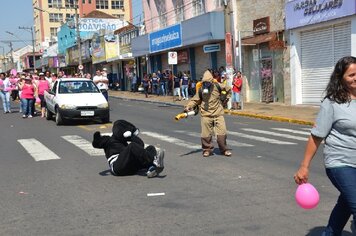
pixel 320 50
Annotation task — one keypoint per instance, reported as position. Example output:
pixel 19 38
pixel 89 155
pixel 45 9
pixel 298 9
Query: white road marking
pixel 262 139
pixel 292 131
pixel 229 142
pixel 155 194
pixel 84 145
pixel 172 140
pixel 37 150
pixel 307 129
pixel 276 134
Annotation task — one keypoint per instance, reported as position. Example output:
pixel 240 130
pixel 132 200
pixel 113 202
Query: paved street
pixel 66 189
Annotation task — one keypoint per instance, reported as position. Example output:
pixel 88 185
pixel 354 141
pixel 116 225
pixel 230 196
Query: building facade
pixel 264 55
pixel 185 27
pixel 320 33
pixel 49 15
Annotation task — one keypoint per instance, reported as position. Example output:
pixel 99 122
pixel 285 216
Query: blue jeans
pixel 163 90
pixel 27 106
pixel 344 179
pixel 185 91
pixel 5 97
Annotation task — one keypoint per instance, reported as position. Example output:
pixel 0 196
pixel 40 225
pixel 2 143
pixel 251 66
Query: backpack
pixel 223 93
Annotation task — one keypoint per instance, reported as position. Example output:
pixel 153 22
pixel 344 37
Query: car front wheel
pixel 59 119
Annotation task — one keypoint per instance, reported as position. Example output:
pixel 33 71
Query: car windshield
pixel 77 87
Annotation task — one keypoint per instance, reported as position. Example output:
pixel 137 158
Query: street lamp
pixel 33 41
pixel 3 57
pixel 76 29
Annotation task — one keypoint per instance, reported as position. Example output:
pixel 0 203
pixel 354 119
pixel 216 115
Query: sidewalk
pixel 272 111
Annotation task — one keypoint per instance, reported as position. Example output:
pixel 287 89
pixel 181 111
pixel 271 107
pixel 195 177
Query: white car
pixel 76 98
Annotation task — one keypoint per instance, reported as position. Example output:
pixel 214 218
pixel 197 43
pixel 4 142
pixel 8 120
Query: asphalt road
pixel 250 193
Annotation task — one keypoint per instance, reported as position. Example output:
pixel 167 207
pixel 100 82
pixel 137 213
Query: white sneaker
pixel 30 116
pixel 158 160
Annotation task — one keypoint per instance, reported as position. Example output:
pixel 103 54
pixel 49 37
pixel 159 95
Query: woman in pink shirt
pixel 42 86
pixel 28 93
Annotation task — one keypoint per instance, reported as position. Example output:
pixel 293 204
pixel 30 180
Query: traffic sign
pixel 172 58
pixel 211 48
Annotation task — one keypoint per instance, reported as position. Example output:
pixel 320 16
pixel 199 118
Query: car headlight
pixel 68 106
pixel 103 105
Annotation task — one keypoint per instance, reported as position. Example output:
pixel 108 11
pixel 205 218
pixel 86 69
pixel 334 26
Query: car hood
pixel 82 99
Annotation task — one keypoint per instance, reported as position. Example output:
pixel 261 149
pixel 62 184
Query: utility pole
pixel 229 55
pixel 78 38
pixel 30 29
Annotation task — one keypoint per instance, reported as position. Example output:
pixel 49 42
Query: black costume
pixel 128 158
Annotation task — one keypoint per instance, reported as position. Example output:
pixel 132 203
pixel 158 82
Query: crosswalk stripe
pixel 37 150
pixel 306 129
pixel 276 134
pixel 262 139
pixel 84 145
pixel 292 131
pixel 172 140
pixel 230 142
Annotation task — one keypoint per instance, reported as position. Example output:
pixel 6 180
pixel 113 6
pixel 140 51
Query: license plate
pixel 87 113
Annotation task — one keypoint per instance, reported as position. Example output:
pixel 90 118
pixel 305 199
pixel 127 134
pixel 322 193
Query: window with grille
pixel 55 17
pixel 102 4
pixel 71 3
pixel 219 3
pixel 53 31
pixel 180 13
pixel 198 7
pixel 70 17
pixel 54 3
pixel 117 4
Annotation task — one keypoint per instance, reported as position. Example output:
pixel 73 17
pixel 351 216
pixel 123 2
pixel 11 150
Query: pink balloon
pixel 307 196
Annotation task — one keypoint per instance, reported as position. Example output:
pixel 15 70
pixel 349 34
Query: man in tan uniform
pixel 212 111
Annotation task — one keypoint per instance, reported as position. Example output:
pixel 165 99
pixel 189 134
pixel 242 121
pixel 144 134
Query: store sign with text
pixel 167 38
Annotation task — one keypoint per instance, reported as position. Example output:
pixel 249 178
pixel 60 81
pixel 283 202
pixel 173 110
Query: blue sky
pixel 15 13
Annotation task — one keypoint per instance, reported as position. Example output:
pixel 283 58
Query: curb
pixel 238 113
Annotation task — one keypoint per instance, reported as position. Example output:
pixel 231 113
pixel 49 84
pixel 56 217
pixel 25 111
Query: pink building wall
pixel 152 12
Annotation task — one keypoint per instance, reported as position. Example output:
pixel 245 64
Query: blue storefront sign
pixel 306 12
pixel 165 39
pixel 211 48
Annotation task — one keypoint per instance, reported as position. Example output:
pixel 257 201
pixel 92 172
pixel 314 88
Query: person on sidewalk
pixel 102 82
pixel 146 83
pixel 177 84
pixel 128 158
pixel 236 90
pixel 336 124
pixel 5 89
pixel 212 111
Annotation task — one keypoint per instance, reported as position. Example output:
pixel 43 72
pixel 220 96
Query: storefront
pixel 320 33
pixel 187 39
pixel 263 65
